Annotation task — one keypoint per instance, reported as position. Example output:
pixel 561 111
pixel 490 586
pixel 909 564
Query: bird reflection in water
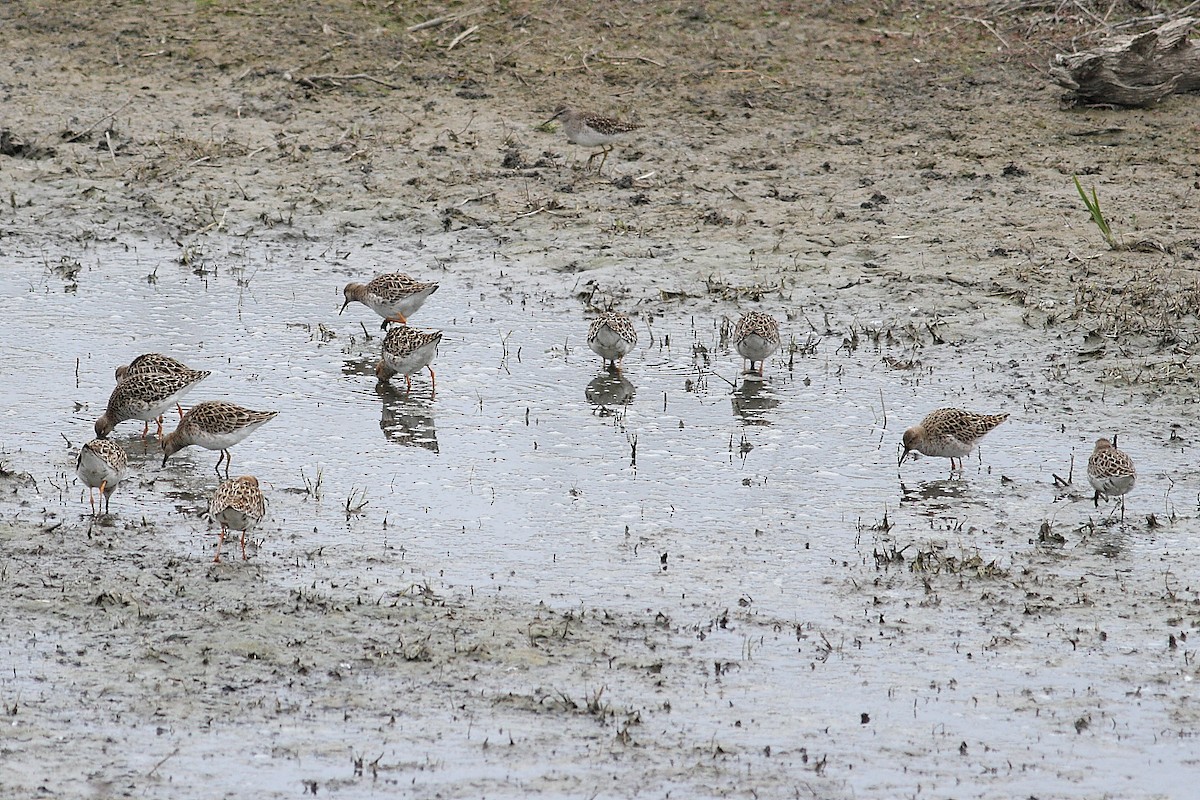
pixel 936 496
pixel 407 419
pixel 609 391
pixel 753 399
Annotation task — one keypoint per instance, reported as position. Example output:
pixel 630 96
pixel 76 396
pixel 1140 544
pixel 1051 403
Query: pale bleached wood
pixel 1134 70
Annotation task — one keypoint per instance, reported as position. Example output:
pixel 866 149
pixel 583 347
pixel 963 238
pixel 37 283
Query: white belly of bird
pixel 94 471
pixel 609 344
pixel 223 440
pixel 591 138
pixel 413 362
pixel 236 519
pixel 148 412
pixel 404 307
pixel 756 348
pixel 947 447
pixel 1112 485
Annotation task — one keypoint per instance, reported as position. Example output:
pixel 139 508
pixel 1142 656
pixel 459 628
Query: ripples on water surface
pixel 659 489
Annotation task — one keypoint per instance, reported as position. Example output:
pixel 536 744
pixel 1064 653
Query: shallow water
pixel 750 520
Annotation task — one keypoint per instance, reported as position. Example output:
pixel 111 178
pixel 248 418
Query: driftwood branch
pixel 1134 70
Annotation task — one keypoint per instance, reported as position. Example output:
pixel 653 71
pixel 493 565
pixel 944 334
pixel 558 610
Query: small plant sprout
pixel 356 502
pixel 312 487
pixel 1093 207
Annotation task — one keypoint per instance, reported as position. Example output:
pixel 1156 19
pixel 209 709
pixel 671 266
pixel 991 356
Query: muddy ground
pixel 895 176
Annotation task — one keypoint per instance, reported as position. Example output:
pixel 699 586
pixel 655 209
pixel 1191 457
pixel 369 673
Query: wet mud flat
pixel 548 580
pixel 514 587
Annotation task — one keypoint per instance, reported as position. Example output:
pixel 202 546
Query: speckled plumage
pixel 101 465
pixel 611 336
pixel 756 337
pixel 151 364
pixel 146 397
pixel 949 433
pixel 592 130
pixel 407 351
pixel 1110 472
pixel 237 504
pixel 393 296
pixel 214 425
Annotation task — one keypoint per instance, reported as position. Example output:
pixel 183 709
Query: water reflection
pixel 753 399
pixel 609 389
pixel 360 367
pixel 939 495
pixel 407 419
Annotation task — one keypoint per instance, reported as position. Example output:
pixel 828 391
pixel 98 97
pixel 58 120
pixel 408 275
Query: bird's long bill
pixel 903 456
pixel 344 306
pixel 557 114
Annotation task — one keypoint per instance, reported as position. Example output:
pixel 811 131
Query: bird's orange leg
pixel 180 409
pixel 432 380
pixel 103 498
pixel 92 497
pixel 220 541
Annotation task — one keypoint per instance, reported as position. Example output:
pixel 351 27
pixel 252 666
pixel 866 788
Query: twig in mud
pixel 732 384
pixel 164 760
pixel 541 210
pixel 986 25
pixel 504 351
pixel 436 21
pixel 365 332
pixel 458 39
pixel 477 198
pixel 311 80
pixel 537 210
pixel 753 72
pixel 95 124
pixel 604 57
pixel 65 439
pixel 883 406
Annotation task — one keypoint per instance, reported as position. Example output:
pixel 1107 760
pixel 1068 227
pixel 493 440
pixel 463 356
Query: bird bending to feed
pixel 101 465
pixel 237 504
pixel 949 433
pixel 756 337
pixel 153 364
pixel 146 397
pixel 1110 472
pixel 214 425
pixel 393 296
pixel 592 130
pixel 406 351
pixel 611 336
